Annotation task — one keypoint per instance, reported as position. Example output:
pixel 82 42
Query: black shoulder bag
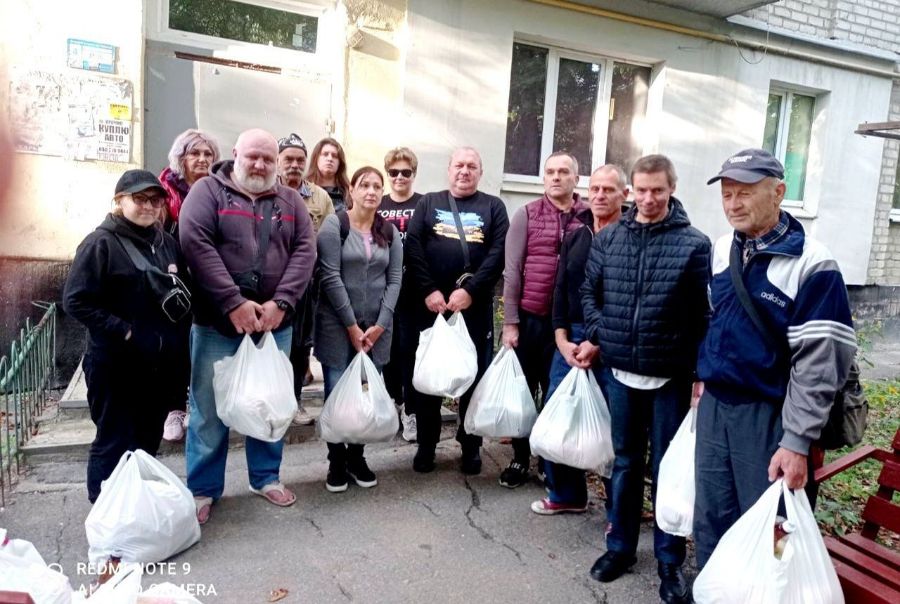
pixel 461 233
pixel 847 418
pixel 171 293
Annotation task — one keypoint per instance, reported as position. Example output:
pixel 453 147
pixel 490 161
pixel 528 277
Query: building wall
pixel 884 264
pixel 707 101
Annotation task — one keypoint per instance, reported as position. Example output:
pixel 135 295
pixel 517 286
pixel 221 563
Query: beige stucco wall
pixel 55 202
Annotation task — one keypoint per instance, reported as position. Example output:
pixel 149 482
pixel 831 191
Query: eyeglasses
pixel 155 201
pixel 405 173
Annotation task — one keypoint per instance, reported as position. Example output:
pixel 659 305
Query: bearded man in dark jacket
pixel 645 304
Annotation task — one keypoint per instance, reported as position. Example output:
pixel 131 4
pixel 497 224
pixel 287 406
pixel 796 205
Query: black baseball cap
pixel 133 181
pixel 749 166
pixel 292 140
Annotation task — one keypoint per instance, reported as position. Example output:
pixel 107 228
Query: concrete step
pixel 61 437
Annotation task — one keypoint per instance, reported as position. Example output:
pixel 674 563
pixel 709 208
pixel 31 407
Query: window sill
pixel 799 212
pixel 895 215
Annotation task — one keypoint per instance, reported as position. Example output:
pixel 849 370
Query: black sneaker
pixel 673 588
pixel 471 461
pixel 611 565
pixel 361 474
pixel 515 475
pixel 337 479
pixel 424 460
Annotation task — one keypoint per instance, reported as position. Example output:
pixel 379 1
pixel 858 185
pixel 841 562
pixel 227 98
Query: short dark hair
pixel 655 163
pixel 564 154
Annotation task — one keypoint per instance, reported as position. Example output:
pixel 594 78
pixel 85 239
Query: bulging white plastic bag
pixel 574 428
pixel 743 569
pixel 446 360
pixel 359 409
pixel 23 569
pixel 675 490
pixel 144 513
pixel 254 389
pixel 502 405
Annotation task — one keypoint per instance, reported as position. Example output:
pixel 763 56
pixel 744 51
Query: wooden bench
pixel 869 572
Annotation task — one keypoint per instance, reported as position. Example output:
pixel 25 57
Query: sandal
pixel 204 508
pixel 276 494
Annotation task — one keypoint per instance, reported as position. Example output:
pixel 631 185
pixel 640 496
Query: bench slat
pixel 862 589
pixel 890 475
pixel 875 550
pixel 883 513
pixel 863 562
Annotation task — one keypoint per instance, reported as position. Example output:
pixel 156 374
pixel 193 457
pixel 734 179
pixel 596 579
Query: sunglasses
pixel 155 201
pixel 405 173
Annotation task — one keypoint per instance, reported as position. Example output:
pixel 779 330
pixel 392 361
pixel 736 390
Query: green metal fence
pixel 26 376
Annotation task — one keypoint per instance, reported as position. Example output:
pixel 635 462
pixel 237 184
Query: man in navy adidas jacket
pixel 761 408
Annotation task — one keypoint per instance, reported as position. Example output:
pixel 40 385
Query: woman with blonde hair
pixel 192 155
pixel 136 362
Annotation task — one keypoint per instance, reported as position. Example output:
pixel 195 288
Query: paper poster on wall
pixel 82 117
pixel 93 56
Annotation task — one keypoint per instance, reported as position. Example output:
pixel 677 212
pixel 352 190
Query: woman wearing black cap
pixel 136 358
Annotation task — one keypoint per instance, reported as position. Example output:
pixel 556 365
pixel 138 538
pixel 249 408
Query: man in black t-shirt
pixel 398 207
pixel 444 282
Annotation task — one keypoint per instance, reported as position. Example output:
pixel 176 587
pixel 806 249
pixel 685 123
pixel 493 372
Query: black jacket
pixel 573 257
pixel 107 293
pixel 645 294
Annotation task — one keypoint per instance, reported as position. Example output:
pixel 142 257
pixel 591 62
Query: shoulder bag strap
pixel 265 232
pixel 137 258
pixel 737 279
pixel 460 231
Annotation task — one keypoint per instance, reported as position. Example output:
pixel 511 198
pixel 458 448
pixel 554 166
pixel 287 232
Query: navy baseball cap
pixel 133 181
pixel 750 166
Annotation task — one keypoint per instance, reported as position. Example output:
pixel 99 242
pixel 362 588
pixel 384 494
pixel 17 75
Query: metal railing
pixel 26 377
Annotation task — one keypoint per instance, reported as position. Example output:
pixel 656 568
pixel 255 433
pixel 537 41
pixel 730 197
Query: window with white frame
pixel 559 100
pixel 787 135
pixel 895 206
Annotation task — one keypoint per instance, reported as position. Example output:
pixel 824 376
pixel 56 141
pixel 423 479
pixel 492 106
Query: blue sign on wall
pixel 92 56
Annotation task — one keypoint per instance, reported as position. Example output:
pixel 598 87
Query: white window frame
pixel 158 30
pixel 787 95
pixel 601 111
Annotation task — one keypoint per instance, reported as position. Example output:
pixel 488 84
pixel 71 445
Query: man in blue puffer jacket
pixel 645 304
pixel 762 406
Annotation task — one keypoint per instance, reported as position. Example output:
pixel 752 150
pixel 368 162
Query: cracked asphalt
pixel 439 537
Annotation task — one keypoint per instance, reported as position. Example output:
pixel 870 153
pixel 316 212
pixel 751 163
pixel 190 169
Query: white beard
pixel 252 183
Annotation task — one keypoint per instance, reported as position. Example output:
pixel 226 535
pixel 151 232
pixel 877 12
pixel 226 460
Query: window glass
pixel 773 116
pixel 796 150
pixel 525 116
pixel 245 22
pixel 627 108
pixel 576 101
pixel 896 205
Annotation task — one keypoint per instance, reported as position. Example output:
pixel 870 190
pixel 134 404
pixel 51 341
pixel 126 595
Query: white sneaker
pixel 302 417
pixel 173 429
pixel 410 430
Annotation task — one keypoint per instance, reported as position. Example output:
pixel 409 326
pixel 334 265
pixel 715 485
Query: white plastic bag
pixel 23 569
pixel 359 409
pixel 254 389
pixel 743 568
pixel 123 587
pixel 144 513
pixel 574 428
pixel 446 360
pixel 502 405
pixel 675 490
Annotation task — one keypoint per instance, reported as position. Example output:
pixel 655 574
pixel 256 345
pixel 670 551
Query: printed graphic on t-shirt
pixel 399 218
pixel 445 225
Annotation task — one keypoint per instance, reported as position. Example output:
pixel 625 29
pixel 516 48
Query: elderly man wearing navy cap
pixel 779 346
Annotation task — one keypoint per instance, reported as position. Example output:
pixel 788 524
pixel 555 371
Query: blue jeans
pixel 637 414
pixel 565 483
pixel 207 436
pixel 340 453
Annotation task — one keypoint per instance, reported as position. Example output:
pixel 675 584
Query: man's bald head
pixel 255 156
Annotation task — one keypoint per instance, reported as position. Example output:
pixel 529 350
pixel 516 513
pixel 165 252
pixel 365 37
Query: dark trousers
pixel 636 415
pixel 128 403
pixel 735 444
pixel 398 371
pixel 535 353
pixel 301 341
pixel 479 323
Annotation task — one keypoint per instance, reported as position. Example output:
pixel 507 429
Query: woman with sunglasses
pixel 359 268
pixel 136 360
pixel 398 207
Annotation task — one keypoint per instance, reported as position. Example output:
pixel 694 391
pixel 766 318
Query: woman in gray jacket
pixel 360 266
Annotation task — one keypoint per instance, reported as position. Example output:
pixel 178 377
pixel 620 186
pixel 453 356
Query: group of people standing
pixel 638 296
